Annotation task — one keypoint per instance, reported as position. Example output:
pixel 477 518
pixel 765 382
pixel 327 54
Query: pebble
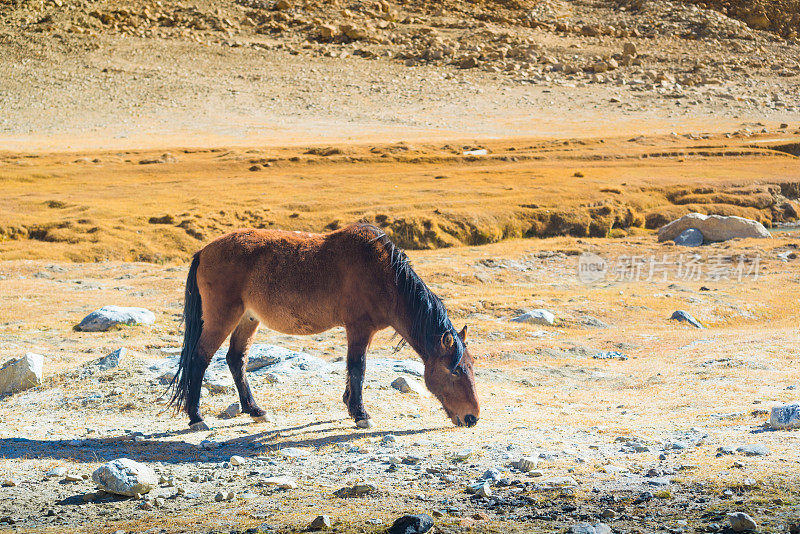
pixel 56 472
pixel 320 522
pixel 281 482
pixel 231 411
pixel 588 528
pixel 482 489
pixel 741 522
pixel 9 483
pixel 237 460
pixel 755 449
pixel 526 464
pixel 412 524
pixel 542 317
pixel 409 385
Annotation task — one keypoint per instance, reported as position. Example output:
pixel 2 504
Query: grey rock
pixel 741 522
pixel 111 316
pixel 320 522
pixel 412 524
pixel 526 464
pixel 784 417
pixel 686 317
pixel 231 411
pixel 588 528
pixel 691 237
pixel 409 385
pixel 714 227
pixel 21 374
pixel 111 360
pixel 753 449
pixel 538 316
pixel 725 450
pixel 125 477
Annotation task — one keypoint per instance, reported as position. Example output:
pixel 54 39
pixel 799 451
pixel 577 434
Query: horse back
pixel 298 282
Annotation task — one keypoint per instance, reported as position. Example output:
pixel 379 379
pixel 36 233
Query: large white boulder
pixel 713 227
pixel 21 374
pixel 123 476
pixel 110 316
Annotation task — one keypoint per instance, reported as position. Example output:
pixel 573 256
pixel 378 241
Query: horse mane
pixel 429 320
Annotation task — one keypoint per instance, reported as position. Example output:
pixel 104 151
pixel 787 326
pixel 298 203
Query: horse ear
pixel 447 341
pixel 463 333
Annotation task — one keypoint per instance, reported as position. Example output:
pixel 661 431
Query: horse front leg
pixel 357 343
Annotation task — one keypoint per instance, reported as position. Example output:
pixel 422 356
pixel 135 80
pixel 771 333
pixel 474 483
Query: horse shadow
pixel 154 448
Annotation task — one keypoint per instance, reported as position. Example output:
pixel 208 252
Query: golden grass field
pixel 157 207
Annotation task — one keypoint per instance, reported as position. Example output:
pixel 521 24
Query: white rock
pixel 111 360
pixel 741 522
pixel 57 472
pixel 786 416
pixel 714 227
pixel 125 477
pixel 238 460
pixel 21 374
pixel 294 452
pixel 526 464
pixel 409 385
pixel 280 482
pixel 110 316
pixel 543 317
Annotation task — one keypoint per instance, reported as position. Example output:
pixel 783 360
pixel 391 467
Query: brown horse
pixel 303 283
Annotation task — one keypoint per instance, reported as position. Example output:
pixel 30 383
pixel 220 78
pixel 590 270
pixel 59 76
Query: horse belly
pixel 292 320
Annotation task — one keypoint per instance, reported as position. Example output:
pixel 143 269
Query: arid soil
pixel 615 429
pixel 498 141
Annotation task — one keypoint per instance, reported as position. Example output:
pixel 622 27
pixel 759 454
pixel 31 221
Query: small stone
pixel 56 472
pixel 320 522
pixel 588 528
pixel 526 464
pixel 9 483
pixel 237 460
pixel 629 49
pixel 231 411
pixel 412 524
pixel 542 317
pixel 683 316
pixel 111 360
pixel 409 385
pixel 741 522
pixel 125 477
pixel 481 489
pixel 219 497
pixel 463 454
pixel 753 450
pixel 281 482
pixel 21 374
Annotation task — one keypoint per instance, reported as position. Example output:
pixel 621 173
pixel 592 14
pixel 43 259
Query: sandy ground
pixel 681 394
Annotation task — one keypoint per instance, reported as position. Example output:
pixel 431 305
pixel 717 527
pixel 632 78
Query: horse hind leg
pixel 216 327
pixel 241 339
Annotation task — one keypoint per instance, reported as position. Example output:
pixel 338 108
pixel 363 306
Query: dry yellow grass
pixel 111 206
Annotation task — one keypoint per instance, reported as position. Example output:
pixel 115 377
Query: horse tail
pixel 193 327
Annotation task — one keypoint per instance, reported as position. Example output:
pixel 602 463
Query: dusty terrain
pixel 498 141
pixel 617 429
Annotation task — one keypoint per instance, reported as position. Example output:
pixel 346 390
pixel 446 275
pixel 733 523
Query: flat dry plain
pixel 633 443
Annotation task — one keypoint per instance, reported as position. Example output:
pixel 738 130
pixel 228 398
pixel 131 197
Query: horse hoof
pixel 365 423
pixel 199 426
